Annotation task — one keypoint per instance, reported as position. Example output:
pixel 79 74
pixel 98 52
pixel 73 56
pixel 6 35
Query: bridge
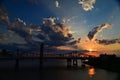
pixel 71 58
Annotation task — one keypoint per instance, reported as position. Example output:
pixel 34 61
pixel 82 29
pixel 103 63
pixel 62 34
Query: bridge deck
pixel 12 58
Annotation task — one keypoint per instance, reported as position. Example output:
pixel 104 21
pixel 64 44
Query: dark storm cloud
pixel 108 41
pixel 4 19
pixel 20 28
pixel 55 33
pixel 50 32
pixel 93 33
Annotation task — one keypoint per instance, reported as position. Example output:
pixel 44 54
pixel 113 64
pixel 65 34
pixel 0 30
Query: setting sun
pixel 90 45
pixel 90 49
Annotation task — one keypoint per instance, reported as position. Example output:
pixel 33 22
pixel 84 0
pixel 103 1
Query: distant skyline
pixel 77 19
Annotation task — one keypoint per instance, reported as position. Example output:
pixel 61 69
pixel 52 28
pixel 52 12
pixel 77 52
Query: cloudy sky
pixel 82 24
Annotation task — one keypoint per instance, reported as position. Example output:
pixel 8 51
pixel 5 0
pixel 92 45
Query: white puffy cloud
pixel 87 4
pixel 57 4
pixel 49 21
pixel 21 21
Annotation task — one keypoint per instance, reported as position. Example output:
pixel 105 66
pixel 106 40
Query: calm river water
pixel 29 71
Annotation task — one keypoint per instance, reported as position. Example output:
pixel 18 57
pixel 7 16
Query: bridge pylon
pixel 75 63
pixel 69 63
pixel 72 63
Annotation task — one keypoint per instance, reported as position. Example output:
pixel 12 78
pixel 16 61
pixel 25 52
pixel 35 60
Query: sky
pixel 62 24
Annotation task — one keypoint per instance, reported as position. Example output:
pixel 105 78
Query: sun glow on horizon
pixel 91 49
pixel 90 45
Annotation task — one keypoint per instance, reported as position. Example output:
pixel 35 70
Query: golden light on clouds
pixel 90 45
pixel 112 49
pixel 95 48
pixel 65 48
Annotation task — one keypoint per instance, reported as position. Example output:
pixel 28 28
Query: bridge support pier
pixel 75 63
pixel 41 55
pixel 69 63
pixel 82 63
pixel 16 64
pixel 72 63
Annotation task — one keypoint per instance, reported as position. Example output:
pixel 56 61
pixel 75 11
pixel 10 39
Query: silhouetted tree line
pixel 106 61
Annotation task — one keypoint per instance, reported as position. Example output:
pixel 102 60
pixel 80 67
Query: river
pixel 53 70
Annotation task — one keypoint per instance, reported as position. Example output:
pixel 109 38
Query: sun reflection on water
pixel 91 71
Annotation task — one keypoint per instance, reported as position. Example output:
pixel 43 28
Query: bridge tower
pixel 41 54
